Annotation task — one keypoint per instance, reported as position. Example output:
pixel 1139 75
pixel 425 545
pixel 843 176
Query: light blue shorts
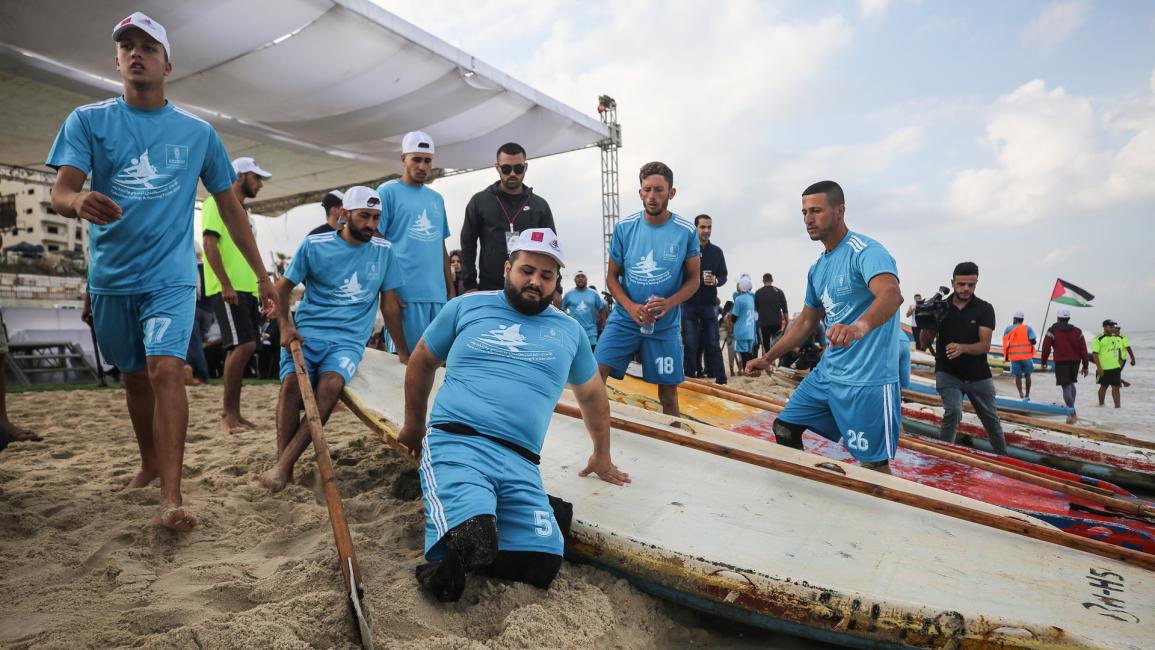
pixel 131 328
pixel 1022 368
pixel 661 351
pixel 465 476
pixel 415 317
pixel 866 419
pixel 341 357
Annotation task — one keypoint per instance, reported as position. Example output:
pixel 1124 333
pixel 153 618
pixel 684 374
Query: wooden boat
pixel 1087 517
pixel 1008 404
pixel 811 557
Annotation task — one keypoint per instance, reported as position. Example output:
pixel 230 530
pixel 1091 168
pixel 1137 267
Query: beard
pixel 361 234
pixel 523 304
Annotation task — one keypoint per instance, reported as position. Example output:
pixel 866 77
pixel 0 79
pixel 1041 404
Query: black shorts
pixel 1112 377
pixel 1066 372
pixel 238 322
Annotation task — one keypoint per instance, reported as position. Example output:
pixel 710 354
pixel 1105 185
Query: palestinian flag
pixel 1068 294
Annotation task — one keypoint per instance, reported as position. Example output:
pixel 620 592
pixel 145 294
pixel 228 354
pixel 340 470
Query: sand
pixel 80 566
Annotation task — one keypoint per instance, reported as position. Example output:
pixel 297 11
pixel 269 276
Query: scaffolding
pixel 611 200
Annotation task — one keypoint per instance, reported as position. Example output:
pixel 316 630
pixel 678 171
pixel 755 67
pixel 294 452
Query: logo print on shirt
pixel 508 341
pixel 509 337
pixel 647 271
pixel 833 314
pixel 176 156
pixel 581 308
pixel 141 180
pixel 422 229
pixel 351 289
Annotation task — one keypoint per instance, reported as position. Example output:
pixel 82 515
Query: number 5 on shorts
pixel 665 365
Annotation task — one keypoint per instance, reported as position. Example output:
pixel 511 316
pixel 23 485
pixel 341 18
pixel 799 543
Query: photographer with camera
pixel 961 358
pixel 927 316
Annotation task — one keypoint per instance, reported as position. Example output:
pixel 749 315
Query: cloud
pixel 1055 24
pixel 873 10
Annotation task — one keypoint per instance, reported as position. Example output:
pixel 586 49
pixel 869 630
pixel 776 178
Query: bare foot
pixel 274 479
pixel 246 422
pixel 232 426
pixel 142 478
pixel 20 434
pixel 175 518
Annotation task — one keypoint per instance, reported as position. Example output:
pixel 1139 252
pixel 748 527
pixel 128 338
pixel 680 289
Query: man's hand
pixel 1042 365
pixel 1084 371
pixel 841 336
pixel 1132 362
pixel 228 293
pixel 601 465
pixel 411 437
pixel 754 367
pixel 641 314
pixel 953 350
pixel 659 306
pixel 289 334
pixel 86 313
pixel 267 296
pixel 96 207
pixel 403 357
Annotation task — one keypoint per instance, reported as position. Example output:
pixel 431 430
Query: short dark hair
pixel 656 168
pixel 455 252
pixel 700 217
pixel 766 277
pixel 510 149
pixel 330 201
pixel 966 268
pixel 832 190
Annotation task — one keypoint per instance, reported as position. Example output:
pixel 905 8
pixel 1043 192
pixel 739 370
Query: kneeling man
pixel 344 271
pixel 508 356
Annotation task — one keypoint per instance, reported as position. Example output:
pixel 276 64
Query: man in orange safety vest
pixel 1019 349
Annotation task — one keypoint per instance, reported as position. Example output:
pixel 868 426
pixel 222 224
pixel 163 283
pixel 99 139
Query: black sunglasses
pixel 517 169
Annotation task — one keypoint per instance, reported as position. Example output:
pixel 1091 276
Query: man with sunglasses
pixel 413 220
pixel 496 216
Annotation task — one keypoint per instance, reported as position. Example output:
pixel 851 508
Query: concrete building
pixel 26 215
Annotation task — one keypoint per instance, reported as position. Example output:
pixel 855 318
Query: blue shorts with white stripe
pixel 866 419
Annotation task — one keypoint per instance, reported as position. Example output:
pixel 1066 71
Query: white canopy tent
pixel 319 91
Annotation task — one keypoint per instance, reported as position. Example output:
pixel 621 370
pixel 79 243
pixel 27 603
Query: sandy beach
pixel 82 567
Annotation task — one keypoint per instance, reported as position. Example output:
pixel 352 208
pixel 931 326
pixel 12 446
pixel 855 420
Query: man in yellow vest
pixel 1019 349
pixel 1108 354
pixel 232 287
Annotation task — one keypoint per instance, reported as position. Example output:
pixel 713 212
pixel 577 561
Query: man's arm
pixel 449 292
pixel 70 200
pixel 1046 351
pixel 284 291
pixel 237 222
pixel 785 309
pixel 722 273
pixel 792 338
pixel 887 299
pixel 595 408
pixel 637 311
pixel 391 312
pixel 419 375
pixel 470 231
pixel 982 346
pixel 213 259
pixel 693 272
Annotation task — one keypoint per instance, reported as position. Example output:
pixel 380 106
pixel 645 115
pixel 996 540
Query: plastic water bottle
pixel 648 329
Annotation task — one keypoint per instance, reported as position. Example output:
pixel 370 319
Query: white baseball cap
pixel 338 193
pixel 1064 313
pixel 579 273
pixel 540 240
pixel 360 197
pixel 417 142
pixel 245 164
pixel 146 25
pixel 1019 314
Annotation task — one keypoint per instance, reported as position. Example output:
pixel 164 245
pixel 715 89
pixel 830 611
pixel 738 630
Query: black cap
pixel 1108 322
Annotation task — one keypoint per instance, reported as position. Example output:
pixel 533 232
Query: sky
pixel 1018 135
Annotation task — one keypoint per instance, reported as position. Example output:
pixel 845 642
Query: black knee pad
pixel 563 514
pixel 474 540
pixel 530 567
pixel 788 435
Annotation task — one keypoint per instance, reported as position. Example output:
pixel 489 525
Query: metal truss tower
pixel 611 200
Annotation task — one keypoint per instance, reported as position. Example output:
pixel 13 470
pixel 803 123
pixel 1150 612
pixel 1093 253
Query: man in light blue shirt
pixel 586 307
pixel 413 220
pixel 344 272
pixel 853 394
pixel 654 267
pixel 508 355
pixel 144 157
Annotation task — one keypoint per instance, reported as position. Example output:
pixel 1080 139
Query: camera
pixel 934 308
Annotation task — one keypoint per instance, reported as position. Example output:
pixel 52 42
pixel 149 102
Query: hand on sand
pixel 754 367
pixel 175 518
pixel 605 469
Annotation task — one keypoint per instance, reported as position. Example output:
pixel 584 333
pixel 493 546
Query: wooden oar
pixel 828 477
pixel 350 569
pixel 940 450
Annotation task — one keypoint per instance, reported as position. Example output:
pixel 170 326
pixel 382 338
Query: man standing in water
pixel 853 393
pixel 144 156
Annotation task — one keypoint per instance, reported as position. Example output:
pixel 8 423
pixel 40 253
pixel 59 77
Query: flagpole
pixel 1044 328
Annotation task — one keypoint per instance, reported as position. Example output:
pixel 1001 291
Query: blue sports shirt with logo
pixel 583 306
pixel 413 220
pixel 148 161
pixel 652 259
pixel 342 283
pixel 839 284
pixel 505 370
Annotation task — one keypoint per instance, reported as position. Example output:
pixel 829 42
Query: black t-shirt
pixel 962 326
pixel 770 303
pixel 321 229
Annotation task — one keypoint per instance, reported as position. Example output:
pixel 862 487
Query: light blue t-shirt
pixel 413 220
pixel 148 161
pixel 342 283
pixel 583 306
pixel 839 284
pixel 745 318
pixel 652 259
pixel 505 370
